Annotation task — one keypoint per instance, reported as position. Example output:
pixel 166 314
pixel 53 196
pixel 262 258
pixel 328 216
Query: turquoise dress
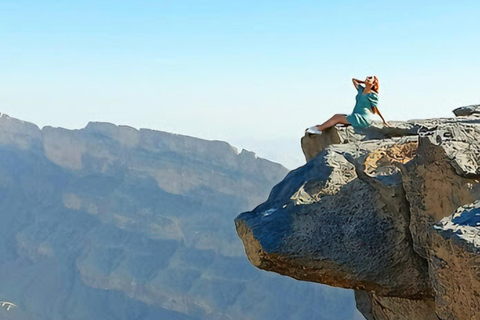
pixel 362 112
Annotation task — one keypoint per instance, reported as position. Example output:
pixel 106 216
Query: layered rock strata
pixel 393 213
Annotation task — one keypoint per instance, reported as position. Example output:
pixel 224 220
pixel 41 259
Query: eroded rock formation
pixel 393 213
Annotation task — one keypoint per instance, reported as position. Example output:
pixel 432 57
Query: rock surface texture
pixel 393 213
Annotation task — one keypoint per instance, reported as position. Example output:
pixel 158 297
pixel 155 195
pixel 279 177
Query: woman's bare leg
pixel 338 118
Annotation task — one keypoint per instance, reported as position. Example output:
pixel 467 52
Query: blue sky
pixel 253 73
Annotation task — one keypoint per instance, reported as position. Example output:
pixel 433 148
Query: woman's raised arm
pixel 356 82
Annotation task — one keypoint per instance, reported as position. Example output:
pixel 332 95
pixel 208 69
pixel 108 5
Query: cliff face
pixel 390 212
pixel 110 222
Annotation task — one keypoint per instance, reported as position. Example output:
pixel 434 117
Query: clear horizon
pixel 252 74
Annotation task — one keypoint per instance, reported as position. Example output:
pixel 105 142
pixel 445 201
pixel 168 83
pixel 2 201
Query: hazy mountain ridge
pixel 110 222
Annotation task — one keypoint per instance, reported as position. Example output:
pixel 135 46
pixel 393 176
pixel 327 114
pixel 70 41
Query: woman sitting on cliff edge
pixel 366 105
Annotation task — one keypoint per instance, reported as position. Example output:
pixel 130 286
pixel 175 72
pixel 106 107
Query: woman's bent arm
pixel 356 82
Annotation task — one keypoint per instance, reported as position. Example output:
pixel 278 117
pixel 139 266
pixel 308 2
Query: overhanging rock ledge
pixel 391 212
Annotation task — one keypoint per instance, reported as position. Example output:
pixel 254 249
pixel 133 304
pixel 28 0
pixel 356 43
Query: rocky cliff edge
pixel 391 212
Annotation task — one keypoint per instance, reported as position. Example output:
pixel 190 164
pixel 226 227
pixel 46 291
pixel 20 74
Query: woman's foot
pixel 313 130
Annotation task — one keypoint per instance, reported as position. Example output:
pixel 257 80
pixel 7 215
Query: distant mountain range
pixel 110 222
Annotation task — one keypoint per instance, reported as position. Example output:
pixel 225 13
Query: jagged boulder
pixel 473 110
pixel 389 212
